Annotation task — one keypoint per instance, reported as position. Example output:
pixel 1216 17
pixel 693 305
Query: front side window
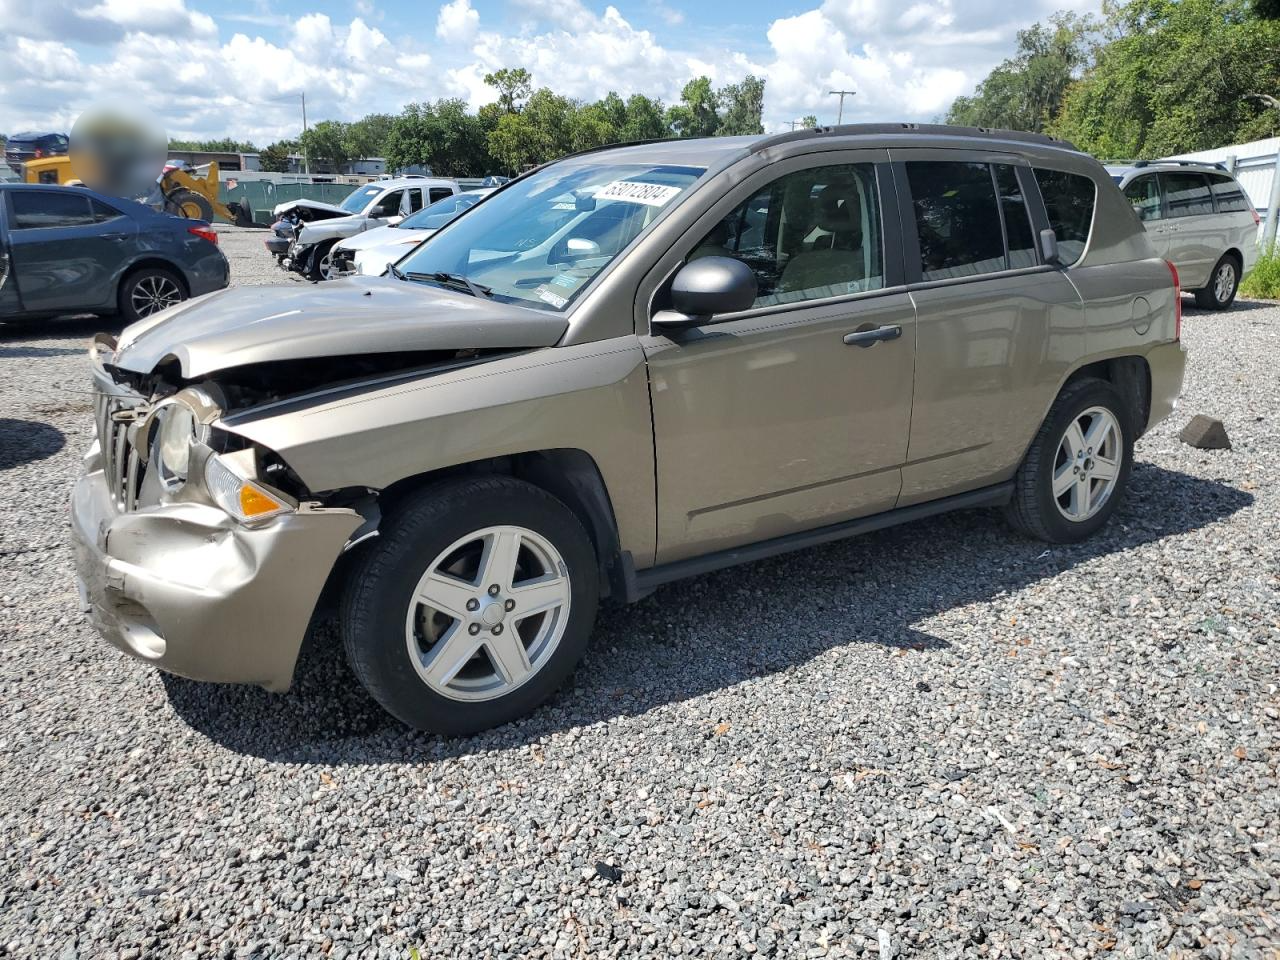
pixel 957 219
pixel 1069 200
pixel 806 236
pixel 1144 194
pixel 542 240
pixel 388 206
pixel 34 209
pixel 357 199
pixel 1187 194
pixel 1228 195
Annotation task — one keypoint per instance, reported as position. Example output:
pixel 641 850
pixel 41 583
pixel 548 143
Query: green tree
pixel 542 131
pixel 440 135
pixel 645 120
pixel 1175 76
pixel 327 141
pixel 224 145
pixel 695 115
pixel 743 107
pixel 513 85
pixel 809 122
pixel 275 158
pixel 1026 91
pixel 367 137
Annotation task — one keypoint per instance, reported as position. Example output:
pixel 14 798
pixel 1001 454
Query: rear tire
pixel 149 291
pixel 1076 471
pixel 1223 284
pixel 437 617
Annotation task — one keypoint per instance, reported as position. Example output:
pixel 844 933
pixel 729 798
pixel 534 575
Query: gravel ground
pixel 938 741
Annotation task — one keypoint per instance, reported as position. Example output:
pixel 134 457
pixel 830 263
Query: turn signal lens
pixel 243 499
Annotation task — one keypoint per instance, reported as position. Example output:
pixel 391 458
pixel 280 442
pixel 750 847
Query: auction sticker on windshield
pixel 633 191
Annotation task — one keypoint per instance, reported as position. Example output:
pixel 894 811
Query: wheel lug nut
pixel 497 629
pixel 473 604
pixel 493 590
pixel 509 605
pixel 474 628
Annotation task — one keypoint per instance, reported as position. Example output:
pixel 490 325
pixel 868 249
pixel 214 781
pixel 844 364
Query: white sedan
pixel 369 253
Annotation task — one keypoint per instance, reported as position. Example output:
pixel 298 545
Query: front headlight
pixel 244 499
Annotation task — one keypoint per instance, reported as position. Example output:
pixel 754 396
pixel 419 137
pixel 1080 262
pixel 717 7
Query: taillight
pixel 1177 301
pixel 1257 220
pixel 207 233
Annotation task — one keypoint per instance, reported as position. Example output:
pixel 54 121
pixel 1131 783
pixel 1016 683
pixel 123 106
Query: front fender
pixel 591 397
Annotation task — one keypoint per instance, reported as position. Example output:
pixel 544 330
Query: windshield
pixel 357 200
pixel 436 215
pixel 543 239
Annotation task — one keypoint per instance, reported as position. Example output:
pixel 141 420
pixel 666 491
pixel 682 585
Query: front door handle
pixel 869 338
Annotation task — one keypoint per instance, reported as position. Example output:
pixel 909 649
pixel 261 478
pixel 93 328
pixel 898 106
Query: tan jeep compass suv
pixel 635 364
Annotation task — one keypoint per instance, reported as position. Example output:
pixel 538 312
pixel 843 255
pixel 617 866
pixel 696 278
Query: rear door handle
pixel 113 236
pixel 869 338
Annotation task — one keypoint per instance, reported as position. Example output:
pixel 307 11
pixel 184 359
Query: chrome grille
pixel 124 470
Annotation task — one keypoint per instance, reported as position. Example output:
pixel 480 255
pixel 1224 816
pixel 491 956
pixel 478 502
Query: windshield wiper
pixel 391 267
pixel 453 280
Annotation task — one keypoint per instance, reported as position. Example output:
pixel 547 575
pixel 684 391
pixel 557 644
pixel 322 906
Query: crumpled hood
pixel 244 325
pixel 384 237
pixel 280 209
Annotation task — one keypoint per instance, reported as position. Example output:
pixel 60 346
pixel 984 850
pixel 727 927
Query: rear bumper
pixel 277 246
pixel 209 273
pixel 1168 363
pixel 188 589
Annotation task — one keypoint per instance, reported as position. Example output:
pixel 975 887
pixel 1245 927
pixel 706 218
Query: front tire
pixel 1224 281
pixel 1076 471
pixel 473 606
pixel 320 266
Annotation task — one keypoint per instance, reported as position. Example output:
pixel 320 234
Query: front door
pixel 63 257
pixel 996 328
pixel 795 413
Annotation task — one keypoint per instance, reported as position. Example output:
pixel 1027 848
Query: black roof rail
pixel 888 129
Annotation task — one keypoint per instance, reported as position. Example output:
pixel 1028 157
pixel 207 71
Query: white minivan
pixel 1199 219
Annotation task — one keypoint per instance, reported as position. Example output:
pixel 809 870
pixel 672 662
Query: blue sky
pixel 237 67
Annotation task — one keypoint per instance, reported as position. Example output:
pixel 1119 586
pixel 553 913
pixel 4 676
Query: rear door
pixel 996 327
pixel 63 256
pixel 1196 238
pixel 439 193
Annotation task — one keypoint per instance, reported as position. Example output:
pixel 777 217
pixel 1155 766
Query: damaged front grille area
pixel 117 418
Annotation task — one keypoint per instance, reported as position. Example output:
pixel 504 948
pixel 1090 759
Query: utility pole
pixel 841 94
pixel 306 164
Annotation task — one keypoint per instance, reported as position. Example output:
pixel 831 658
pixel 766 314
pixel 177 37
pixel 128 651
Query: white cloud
pixel 457 22
pixel 907 60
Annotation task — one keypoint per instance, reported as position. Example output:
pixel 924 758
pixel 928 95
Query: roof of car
pixel 408 182
pixel 1148 166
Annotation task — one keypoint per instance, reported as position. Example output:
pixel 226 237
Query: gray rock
pixel 1205 433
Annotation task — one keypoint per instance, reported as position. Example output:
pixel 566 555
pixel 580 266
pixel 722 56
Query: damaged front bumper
pixel 189 589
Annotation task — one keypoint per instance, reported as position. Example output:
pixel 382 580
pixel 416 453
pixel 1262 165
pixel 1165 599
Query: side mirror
pixel 1049 247
pixel 706 287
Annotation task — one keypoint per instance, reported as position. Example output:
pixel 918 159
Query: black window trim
pixel 911 240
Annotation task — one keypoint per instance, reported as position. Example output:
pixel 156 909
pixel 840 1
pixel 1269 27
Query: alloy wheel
pixel 1087 464
pixel 488 613
pixel 327 270
pixel 1224 282
pixel 154 293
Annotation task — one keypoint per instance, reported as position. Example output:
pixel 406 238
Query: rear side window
pixel 957 219
pixel 439 193
pixel 33 209
pixel 103 211
pixel 1144 195
pixel 1228 195
pixel 1069 200
pixel 1187 194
